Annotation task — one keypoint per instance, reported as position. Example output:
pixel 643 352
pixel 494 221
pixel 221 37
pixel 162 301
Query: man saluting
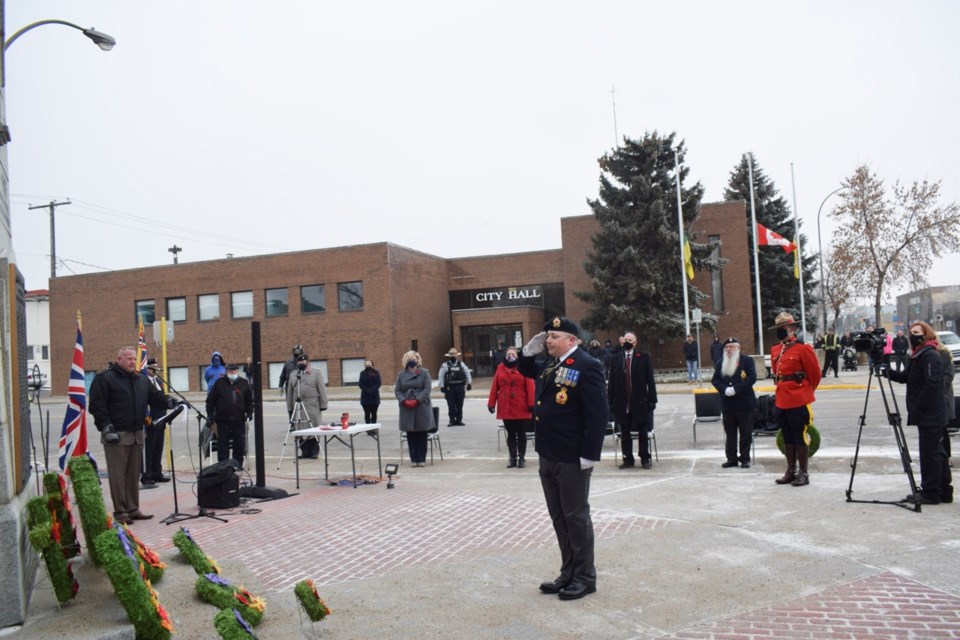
pixel 570 418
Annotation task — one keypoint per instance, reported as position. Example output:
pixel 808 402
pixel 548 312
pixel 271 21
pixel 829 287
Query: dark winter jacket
pixel 742 381
pixel 120 399
pixel 716 352
pixel 230 401
pixel 370 383
pixel 901 345
pixel 926 406
pixel 690 351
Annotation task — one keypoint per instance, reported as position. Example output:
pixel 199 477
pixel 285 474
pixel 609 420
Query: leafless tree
pixel 881 241
pixel 837 288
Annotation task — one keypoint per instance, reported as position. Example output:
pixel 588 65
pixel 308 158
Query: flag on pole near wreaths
pixel 73 436
pixel 141 346
pixel 688 259
pixel 767 237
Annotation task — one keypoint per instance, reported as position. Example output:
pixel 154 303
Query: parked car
pixel 952 342
pixel 36 383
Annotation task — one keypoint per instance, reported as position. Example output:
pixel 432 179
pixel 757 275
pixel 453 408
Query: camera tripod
pixel 299 419
pixel 893 417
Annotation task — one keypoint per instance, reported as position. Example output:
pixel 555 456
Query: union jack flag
pixel 73 436
pixel 141 346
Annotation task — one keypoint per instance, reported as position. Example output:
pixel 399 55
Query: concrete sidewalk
pixel 457 549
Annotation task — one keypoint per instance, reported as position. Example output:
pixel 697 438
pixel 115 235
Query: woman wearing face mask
pixel 512 397
pixel 927 409
pixel 412 390
pixel 369 392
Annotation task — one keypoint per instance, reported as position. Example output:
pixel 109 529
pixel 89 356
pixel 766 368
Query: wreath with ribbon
pixel 314 606
pixel 217 590
pixel 89 498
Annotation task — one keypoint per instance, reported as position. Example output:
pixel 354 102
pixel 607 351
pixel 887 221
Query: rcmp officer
pixel 796 371
pixel 571 419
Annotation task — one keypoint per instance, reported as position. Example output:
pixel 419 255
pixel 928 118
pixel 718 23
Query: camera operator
pixel 289 367
pixel 796 370
pixel 307 385
pixel 118 404
pixel 927 409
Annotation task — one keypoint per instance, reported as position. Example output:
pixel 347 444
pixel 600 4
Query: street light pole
pixel 102 40
pixel 53 232
pixel 823 296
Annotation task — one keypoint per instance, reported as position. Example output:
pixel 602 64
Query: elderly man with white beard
pixel 734 378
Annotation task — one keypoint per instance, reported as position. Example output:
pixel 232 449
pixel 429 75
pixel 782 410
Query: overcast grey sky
pixel 454 128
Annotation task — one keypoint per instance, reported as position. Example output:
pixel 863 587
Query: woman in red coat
pixel 512 397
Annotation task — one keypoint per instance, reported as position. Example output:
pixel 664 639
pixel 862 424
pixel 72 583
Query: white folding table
pixel 328 433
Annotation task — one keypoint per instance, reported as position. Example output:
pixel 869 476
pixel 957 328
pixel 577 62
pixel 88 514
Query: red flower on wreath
pixel 568 361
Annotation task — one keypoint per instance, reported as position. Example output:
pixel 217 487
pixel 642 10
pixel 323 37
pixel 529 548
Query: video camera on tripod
pixel 872 343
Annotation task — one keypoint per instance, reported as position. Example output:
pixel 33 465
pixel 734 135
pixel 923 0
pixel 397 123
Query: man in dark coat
pixel 118 404
pixel 716 350
pixel 734 378
pixel 632 396
pixel 229 406
pixel 900 347
pixel 153 440
pixel 570 419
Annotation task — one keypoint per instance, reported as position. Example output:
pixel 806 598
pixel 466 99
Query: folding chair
pixel 433 436
pixel 706 406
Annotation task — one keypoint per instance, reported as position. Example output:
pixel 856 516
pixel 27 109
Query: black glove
pixel 172 402
pixel 469 387
pixel 652 406
pixel 109 435
pixel 491 409
pixel 443 389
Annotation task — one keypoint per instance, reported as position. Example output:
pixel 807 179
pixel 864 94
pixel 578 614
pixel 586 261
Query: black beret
pixel 562 324
pixel 233 367
pixel 731 341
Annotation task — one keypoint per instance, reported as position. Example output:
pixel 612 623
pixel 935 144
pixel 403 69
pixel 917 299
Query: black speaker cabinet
pixel 218 494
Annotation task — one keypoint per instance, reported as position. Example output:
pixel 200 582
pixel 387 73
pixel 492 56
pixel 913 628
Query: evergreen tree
pixel 779 289
pixel 635 262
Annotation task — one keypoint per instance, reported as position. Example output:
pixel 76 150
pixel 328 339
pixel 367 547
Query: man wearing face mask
pixel 455 381
pixel 229 405
pixel 632 396
pixel 796 371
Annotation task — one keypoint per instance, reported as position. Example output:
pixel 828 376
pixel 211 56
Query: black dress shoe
pixel 162 479
pixel 646 464
pixel 626 465
pixel 920 499
pixel 576 590
pixel 554 586
pixel 729 463
pixel 744 465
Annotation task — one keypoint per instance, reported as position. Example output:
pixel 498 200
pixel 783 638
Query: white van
pixel 951 342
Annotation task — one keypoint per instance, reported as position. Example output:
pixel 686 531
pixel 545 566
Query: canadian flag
pixel 766 237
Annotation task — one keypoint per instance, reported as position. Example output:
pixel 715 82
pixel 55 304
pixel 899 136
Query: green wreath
pixel 152 565
pixel 231 625
pixel 44 537
pixel 56 487
pixel 811 448
pixel 193 554
pixel 89 497
pixel 149 618
pixel 218 591
pixel 310 600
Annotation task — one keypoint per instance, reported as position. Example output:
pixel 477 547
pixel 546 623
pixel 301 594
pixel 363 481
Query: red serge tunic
pixel 512 393
pixel 786 361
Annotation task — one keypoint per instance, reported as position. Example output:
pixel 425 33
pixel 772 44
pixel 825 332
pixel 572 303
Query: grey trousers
pixel 566 488
pixel 123 469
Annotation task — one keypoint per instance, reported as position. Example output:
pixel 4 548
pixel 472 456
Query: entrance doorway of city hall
pixel 480 344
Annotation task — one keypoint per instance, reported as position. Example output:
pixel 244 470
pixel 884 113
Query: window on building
pixel 208 307
pixel 241 304
pixel 144 309
pixel 313 299
pixel 44 352
pixel 179 378
pixel 350 296
pixel 177 309
pixel 321 366
pixel 274 369
pixel 350 369
pixel 276 302
pixel 716 277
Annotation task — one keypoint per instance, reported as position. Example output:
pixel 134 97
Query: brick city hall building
pixel 374 301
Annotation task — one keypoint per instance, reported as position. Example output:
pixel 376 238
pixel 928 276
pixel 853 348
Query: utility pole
pixel 53 232
pixel 175 250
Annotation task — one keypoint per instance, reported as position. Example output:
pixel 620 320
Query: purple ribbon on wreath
pixel 243 623
pixel 215 579
pixel 186 532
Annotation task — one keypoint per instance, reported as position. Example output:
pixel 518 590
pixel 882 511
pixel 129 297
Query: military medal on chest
pixel 561 397
pixel 565 378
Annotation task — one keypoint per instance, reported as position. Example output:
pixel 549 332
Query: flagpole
pixel 799 256
pixel 756 258
pixel 683 261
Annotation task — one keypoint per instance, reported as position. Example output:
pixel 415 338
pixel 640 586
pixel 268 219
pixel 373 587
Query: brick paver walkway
pixel 338 534
pixel 884 606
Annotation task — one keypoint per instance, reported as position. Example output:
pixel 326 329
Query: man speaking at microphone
pixel 570 418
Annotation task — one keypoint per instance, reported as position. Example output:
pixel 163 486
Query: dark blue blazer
pixel 571 428
pixel 742 381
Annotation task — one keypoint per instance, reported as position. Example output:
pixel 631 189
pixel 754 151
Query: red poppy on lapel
pixel 568 361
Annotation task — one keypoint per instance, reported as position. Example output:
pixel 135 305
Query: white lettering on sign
pixel 523 294
pixel 488 296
